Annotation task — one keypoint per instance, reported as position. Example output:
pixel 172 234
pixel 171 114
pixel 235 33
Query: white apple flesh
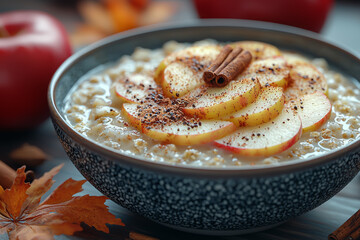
pixel 212 102
pixel 182 71
pixel 305 79
pixel 259 50
pixel 130 111
pixel 271 71
pixel 314 110
pixel 267 106
pixel 294 59
pixel 180 79
pixel 180 134
pixel 134 88
pixel 266 139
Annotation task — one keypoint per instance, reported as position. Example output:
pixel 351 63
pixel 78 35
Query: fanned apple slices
pixel 259 50
pixel 314 110
pixel 267 106
pixel 305 79
pixel 252 116
pixel 181 71
pixel 270 71
pixel 210 102
pixel 134 88
pixel 180 132
pixel 265 139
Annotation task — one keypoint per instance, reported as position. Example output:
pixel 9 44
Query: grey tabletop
pixel 342 28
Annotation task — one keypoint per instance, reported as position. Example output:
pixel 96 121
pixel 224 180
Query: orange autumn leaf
pixel 24 217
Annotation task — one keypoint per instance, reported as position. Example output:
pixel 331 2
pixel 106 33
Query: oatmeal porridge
pixel 156 104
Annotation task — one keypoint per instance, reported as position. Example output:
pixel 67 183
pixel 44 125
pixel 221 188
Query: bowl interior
pixel 112 48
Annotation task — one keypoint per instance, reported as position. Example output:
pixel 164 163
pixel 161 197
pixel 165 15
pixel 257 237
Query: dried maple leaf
pixel 23 217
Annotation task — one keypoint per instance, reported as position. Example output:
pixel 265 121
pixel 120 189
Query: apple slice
pixel 177 133
pixel 270 71
pixel 267 106
pixel 131 111
pixel 182 71
pixel 259 50
pixel 134 88
pixel 266 139
pixel 210 102
pixel 314 110
pixel 180 130
pixel 159 72
pixel 180 79
pixel 202 52
pixel 305 79
pixel 293 59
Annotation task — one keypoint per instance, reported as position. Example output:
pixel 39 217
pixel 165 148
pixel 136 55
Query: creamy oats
pixel 94 110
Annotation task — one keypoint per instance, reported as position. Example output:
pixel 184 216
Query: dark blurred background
pixel 90 20
pixel 87 21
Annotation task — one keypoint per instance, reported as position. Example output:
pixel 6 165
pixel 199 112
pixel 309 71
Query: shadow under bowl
pixel 206 200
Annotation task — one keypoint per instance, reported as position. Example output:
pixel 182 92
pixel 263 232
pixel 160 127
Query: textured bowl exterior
pixel 209 202
pixel 212 204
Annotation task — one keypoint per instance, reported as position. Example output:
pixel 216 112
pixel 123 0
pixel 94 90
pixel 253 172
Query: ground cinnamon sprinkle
pixel 157 110
pixel 193 62
pixel 131 88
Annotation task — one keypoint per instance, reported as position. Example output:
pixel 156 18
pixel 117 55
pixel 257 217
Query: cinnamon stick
pixel 232 55
pixel 354 235
pixel 227 65
pixel 234 68
pixel 7 175
pixel 209 74
pixel 349 230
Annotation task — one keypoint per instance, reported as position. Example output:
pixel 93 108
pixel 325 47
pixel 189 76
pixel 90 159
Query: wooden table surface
pixel 342 28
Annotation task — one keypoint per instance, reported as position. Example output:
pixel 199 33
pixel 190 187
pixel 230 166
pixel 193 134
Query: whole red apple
pixel 307 14
pixel 32 46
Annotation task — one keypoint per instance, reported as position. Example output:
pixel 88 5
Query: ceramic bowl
pixel 206 200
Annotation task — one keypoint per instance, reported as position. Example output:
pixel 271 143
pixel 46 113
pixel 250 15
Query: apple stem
pixel 4 32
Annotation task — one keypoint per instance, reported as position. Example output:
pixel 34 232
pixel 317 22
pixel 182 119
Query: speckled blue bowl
pixel 205 200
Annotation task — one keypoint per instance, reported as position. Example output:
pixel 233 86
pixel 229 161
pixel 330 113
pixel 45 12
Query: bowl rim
pixel 196 171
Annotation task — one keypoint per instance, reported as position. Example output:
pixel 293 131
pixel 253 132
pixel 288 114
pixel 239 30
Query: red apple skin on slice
pixel 259 50
pixel 314 110
pixel 266 139
pixel 267 106
pixel 134 88
pixel 271 71
pixel 130 111
pixel 211 102
pixel 180 134
pixel 305 79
